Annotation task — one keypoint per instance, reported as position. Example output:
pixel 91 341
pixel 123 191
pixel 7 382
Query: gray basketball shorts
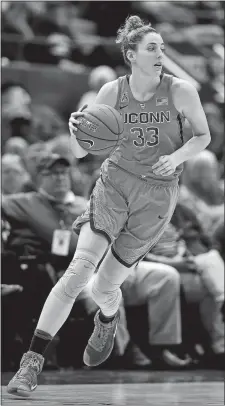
pixel 131 212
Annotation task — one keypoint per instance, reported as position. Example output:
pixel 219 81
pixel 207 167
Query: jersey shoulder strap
pixel 122 96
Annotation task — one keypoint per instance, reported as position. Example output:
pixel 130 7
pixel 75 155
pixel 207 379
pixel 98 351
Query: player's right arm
pixel 106 95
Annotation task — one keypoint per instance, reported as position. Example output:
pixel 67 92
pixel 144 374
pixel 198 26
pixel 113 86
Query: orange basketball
pixel 100 130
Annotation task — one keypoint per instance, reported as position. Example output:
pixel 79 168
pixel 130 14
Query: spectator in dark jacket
pixel 39 239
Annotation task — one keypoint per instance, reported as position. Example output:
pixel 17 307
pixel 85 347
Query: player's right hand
pixel 74 119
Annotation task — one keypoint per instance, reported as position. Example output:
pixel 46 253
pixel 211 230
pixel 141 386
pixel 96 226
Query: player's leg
pixel 102 227
pixel 90 249
pixel 107 294
pixel 142 229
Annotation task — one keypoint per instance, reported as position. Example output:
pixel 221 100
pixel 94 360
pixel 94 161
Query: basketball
pixel 100 130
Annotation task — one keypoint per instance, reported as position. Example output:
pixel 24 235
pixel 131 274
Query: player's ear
pixel 131 55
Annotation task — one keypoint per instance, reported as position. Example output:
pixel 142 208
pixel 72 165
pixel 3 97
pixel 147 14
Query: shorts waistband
pixel 147 179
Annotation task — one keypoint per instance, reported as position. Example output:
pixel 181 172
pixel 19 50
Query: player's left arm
pixel 187 102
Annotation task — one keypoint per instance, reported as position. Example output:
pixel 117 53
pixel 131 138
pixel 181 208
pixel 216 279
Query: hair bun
pixel 132 23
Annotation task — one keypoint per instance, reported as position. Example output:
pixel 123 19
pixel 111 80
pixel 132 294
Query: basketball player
pixel 133 200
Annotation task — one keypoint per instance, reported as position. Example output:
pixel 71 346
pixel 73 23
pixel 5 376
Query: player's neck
pixel 143 86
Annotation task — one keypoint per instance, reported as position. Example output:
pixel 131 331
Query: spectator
pixel 60 144
pixel 16 145
pixel 40 241
pixel 216 126
pixel 97 78
pixel 157 333
pixel 80 180
pixel 38 214
pixel 31 158
pixel 218 237
pixel 14 175
pixel 201 189
pixel 46 123
pixel 185 247
pixel 16 111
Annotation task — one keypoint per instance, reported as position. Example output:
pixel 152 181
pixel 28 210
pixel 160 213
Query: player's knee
pixel 76 277
pixel 103 296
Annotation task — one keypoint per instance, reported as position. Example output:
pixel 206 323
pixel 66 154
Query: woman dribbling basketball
pixel 134 198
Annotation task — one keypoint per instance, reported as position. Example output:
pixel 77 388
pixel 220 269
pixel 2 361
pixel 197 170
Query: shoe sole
pixel 103 359
pixel 19 392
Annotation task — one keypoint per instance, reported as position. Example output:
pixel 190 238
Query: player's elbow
pixel 205 139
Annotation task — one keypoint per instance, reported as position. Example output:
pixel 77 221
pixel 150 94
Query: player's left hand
pixel 165 166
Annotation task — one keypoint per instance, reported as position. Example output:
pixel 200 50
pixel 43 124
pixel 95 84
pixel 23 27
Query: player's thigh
pixel 112 270
pixel 151 210
pixel 92 242
pixel 107 211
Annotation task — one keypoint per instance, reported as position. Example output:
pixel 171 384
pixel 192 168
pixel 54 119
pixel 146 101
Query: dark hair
pixel 10 84
pixel 131 33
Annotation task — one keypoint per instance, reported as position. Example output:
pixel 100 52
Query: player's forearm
pixel 192 147
pixel 78 151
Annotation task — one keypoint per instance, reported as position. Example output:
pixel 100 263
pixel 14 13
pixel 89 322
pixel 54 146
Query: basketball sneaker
pixel 100 344
pixel 25 379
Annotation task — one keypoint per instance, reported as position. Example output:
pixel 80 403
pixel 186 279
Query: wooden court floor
pixel 125 389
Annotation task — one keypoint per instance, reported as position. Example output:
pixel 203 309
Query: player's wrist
pixel 177 159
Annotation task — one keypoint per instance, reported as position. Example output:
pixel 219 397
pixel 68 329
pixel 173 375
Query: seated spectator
pixel 40 241
pixel 46 123
pixel 22 118
pixel 36 215
pixel 16 111
pixel 218 237
pixel 185 247
pixel 61 145
pixel 31 158
pixel 16 145
pixel 155 288
pixel 80 180
pixel 97 78
pixel 216 127
pixel 14 175
pixel 201 189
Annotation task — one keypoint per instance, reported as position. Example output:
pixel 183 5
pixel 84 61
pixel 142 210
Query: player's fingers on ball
pixel 72 127
pixel 77 114
pixel 73 121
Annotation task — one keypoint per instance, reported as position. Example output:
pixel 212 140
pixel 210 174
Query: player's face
pixel 149 54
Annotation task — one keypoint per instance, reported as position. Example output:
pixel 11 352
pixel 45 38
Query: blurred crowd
pixel 173 302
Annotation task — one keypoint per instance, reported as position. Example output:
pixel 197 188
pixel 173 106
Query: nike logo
pixel 123 107
pixel 161 217
pixel 90 142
